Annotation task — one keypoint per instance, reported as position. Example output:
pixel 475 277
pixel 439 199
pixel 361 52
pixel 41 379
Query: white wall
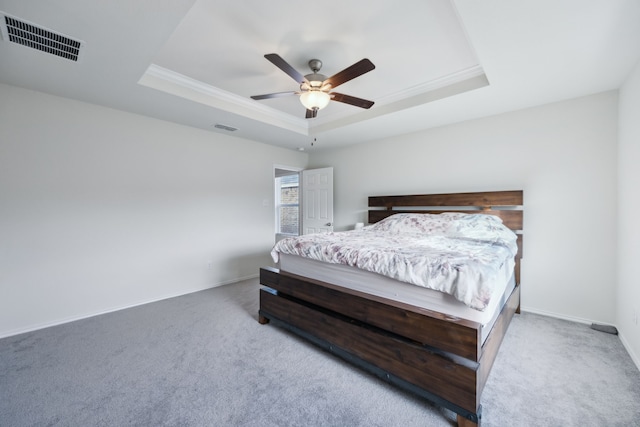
pixel 629 208
pixel 102 209
pixel 562 155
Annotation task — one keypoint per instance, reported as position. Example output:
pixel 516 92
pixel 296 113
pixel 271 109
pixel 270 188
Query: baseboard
pixel 562 316
pixel 627 346
pixel 114 309
pixel 625 343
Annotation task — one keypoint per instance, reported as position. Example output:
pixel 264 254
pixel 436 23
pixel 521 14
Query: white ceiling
pixel 197 62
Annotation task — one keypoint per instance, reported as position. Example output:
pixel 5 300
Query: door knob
pixel 328 224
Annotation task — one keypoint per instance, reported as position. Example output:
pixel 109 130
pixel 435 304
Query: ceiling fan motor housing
pixel 315 88
pixel 315 81
pixel 315 65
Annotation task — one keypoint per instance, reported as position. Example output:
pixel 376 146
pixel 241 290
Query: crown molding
pixel 432 91
pixel 432 85
pixel 169 81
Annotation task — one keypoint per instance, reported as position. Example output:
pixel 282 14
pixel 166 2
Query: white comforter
pixel 460 254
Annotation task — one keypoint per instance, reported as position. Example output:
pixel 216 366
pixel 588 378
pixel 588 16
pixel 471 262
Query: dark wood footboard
pixel 418 350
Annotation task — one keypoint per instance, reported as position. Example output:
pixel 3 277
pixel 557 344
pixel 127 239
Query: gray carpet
pixel 203 360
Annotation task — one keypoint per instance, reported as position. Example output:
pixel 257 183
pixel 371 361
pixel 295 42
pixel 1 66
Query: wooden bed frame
pixel 435 356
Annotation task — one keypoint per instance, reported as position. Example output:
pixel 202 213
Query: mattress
pixel 458 254
pixel 376 284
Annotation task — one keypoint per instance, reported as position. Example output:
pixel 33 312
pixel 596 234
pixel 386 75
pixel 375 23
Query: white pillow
pixel 483 228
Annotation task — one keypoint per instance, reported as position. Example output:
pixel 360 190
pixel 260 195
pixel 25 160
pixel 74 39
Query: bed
pixel 420 346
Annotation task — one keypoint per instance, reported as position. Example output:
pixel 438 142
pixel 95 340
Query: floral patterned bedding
pixel 460 254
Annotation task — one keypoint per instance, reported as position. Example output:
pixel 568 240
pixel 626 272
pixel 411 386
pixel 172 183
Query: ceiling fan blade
pixel 352 100
pixel 284 66
pixel 349 73
pixel 272 95
pixel 311 114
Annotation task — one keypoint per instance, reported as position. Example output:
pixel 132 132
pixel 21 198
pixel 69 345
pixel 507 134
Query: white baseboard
pixel 113 309
pixel 560 316
pixel 627 346
pixel 625 343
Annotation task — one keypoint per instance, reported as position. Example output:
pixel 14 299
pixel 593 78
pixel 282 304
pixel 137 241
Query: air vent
pixel 30 35
pixel 225 127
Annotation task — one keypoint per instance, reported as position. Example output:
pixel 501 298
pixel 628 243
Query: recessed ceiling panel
pixel 416 48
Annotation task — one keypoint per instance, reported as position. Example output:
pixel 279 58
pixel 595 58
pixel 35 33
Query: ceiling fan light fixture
pixel 315 89
pixel 315 99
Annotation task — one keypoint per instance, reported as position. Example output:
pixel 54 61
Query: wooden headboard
pixel 508 205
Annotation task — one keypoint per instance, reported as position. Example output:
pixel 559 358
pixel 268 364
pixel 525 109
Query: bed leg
pixel 464 422
pixel 262 320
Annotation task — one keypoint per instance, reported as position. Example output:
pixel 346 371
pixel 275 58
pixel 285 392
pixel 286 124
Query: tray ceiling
pixel 197 62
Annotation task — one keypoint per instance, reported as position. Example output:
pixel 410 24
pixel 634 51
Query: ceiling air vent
pixel 30 35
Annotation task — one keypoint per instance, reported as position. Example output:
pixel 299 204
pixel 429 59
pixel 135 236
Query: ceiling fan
pixel 316 89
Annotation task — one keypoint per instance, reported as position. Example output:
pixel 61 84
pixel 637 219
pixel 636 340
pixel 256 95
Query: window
pixel 287 203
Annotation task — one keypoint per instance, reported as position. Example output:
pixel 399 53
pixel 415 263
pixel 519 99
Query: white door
pixel 317 200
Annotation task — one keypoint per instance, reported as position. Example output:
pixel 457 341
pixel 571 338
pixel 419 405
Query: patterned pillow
pixel 431 224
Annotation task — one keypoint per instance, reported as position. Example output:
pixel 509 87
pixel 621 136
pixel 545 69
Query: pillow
pixel 483 228
pixel 431 224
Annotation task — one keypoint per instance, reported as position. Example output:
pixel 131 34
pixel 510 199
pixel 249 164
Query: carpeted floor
pixel 204 360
